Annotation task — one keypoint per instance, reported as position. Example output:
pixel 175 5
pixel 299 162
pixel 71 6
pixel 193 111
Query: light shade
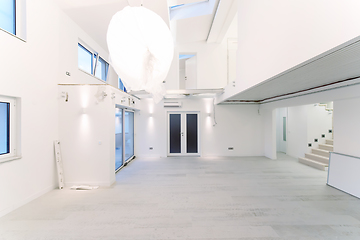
pixel 141 49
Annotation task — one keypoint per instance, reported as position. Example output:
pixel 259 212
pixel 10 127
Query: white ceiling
pixel 101 12
pixel 185 30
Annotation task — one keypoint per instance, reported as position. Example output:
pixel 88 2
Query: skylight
pixel 187 4
pixel 186 56
pixel 190 8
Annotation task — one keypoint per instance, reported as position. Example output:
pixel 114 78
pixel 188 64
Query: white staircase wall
pixel 305 123
pixel 319 122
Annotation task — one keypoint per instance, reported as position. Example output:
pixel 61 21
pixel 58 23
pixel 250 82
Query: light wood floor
pixel 195 198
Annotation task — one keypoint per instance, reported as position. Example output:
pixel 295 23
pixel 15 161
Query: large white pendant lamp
pixel 141 49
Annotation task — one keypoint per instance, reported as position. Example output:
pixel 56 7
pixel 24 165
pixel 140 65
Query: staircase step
pixel 321 152
pixel 317 158
pixel 326 147
pixel 329 141
pixel 314 164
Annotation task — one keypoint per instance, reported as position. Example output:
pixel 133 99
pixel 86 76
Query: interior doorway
pixel 187 71
pixel 281 129
pixel 183 134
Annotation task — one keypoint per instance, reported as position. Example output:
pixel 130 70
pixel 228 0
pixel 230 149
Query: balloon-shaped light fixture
pixel 141 49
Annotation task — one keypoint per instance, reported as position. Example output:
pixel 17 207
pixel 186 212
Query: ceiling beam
pixel 223 17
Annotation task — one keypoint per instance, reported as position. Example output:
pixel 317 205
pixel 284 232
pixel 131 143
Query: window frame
pixel 14 140
pixel 94 62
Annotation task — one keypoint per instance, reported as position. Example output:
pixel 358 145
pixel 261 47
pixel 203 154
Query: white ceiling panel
pixel 94 16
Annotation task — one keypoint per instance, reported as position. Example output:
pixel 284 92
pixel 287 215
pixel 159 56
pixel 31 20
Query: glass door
pixel 129 135
pixel 119 160
pixel 183 133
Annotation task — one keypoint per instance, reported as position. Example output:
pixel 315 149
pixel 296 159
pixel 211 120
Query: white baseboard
pixel 21 203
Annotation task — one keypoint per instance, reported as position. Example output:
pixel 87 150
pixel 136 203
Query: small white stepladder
pixel 59 164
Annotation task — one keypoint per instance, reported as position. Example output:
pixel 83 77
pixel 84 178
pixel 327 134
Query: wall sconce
pixel 209 114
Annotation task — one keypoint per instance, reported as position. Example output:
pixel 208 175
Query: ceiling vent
pixel 172 104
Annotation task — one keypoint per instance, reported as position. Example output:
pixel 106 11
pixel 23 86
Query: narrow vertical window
pixel 129 135
pixel 121 86
pixel 7 15
pixel 119 160
pixel 4 128
pixel 102 68
pixel 284 129
pixel 85 59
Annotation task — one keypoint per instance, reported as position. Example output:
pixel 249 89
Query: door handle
pixel 182 134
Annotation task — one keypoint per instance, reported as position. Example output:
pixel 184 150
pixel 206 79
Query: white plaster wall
pixel 211 67
pixel 346 126
pixel 297 131
pixel 304 124
pixel 87 133
pixel 191 73
pixel 269 126
pixel 239 126
pixel 279 34
pixel 31 71
pixel 211 58
pixel 70 35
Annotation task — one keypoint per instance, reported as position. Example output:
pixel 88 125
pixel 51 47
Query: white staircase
pixel 319 157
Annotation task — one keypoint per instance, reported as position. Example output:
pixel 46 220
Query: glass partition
pixel 118 138
pixel 129 135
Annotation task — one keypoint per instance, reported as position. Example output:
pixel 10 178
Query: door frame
pixel 183 140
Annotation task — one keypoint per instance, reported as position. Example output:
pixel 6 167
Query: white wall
pixel 239 126
pixel 211 67
pixel 211 58
pixel 347 127
pixel 87 133
pixel 319 122
pixel 279 34
pixel 304 124
pixel 31 71
pixel 297 131
pixel 191 73
pixel 269 126
pixel 70 35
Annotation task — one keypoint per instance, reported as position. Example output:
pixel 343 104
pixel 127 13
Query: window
pixel 92 63
pixel 124 136
pixel 129 135
pixel 9 145
pixel 119 158
pixel 121 86
pixel 7 16
pixel 4 128
pixel 101 68
pixel 85 59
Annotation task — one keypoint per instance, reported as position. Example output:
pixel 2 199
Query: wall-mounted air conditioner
pixel 172 104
